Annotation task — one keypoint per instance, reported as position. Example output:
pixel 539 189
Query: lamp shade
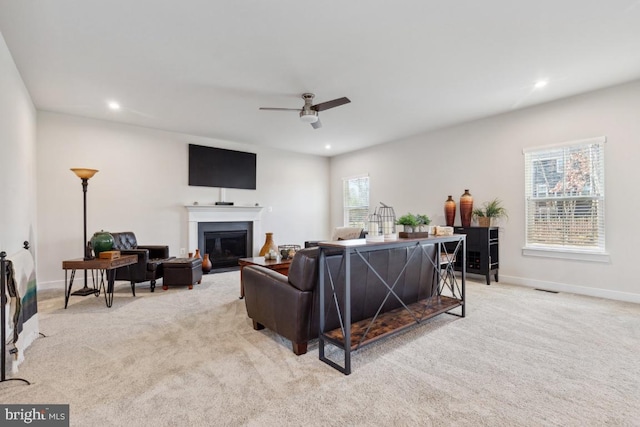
pixel 84 173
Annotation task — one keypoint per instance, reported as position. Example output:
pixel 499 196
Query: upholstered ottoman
pixel 182 272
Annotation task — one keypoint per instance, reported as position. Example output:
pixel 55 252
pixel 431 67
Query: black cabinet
pixel 482 251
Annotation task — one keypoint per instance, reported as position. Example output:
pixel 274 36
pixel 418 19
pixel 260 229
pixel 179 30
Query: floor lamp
pixel 84 174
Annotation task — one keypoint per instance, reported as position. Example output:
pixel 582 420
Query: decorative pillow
pixel 346 233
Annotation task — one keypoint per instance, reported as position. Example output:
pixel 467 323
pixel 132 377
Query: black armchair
pixel 150 259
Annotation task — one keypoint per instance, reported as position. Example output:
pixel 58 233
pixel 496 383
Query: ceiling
pixel 204 67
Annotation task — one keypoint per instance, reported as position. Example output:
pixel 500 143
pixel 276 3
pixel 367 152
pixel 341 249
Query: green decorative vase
pixel 101 241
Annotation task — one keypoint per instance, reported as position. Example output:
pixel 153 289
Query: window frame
pixel 347 209
pixel 596 252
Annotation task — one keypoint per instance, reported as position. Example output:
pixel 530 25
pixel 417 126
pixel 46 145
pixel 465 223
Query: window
pixel 564 196
pixel 355 191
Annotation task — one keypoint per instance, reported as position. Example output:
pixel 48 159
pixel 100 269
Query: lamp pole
pixel 87 250
pixel 84 174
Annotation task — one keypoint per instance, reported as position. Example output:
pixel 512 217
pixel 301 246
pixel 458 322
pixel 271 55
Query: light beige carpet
pixel 191 358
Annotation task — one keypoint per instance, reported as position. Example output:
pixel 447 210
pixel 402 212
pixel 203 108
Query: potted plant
pixel 409 221
pixel 414 223
pixel 489 211
pixel 423 222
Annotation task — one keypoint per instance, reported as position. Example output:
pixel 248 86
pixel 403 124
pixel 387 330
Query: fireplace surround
pixel 245 217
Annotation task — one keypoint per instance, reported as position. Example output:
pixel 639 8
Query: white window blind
pixel 564 191
pixel 356 201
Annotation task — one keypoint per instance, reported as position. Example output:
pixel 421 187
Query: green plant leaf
pixel 423 219
pixel 408 219
pixel 491 209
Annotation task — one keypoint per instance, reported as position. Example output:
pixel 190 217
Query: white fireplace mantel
pixel 223 213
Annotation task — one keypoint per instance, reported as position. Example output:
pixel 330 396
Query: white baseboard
pixel 59 284
pixel 574 289
pixel 521 281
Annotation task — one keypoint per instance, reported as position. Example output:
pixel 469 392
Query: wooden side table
pixel 104 266
pixel 280 265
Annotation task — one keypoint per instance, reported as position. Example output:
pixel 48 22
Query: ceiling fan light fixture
pixel 309 116
pixel 309 112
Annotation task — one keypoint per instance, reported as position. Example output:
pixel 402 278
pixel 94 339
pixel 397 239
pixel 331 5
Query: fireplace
pixel 225 242
pixel 214 218
pixel 225 248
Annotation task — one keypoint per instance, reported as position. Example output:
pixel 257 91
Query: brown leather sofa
pixel 150 259
pixel 289 305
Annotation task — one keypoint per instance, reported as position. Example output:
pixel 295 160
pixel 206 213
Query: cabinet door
pixel 475 248
pixel 482 248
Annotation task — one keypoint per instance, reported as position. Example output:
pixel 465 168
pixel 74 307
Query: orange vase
pixel 268 245
pixel 450 211
pixel 206 264
pixel 466 208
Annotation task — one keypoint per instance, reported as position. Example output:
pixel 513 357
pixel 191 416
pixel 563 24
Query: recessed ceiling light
pixel 328 147
pixel 113 105
pixel 540 84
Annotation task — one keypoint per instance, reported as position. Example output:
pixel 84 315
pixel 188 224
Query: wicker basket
pixel 288 251
pixel 484 221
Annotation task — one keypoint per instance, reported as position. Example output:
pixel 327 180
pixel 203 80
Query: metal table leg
pixel 108 294
pixel 67 288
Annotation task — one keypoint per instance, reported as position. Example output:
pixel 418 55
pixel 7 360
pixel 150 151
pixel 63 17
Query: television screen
pixel 217 167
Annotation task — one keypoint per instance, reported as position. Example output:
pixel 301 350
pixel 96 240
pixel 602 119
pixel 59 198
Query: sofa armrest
pixel 273 302
pixel 257 275
pixel 156 251
pixel 138 270
pixel 143 254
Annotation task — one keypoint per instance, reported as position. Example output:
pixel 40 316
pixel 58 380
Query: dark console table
pixel 352 336
pixel 482 251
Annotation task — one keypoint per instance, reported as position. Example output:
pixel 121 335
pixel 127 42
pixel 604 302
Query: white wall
pixel 416 175
pixel 142 186
pixel 17 158
pixel 142 183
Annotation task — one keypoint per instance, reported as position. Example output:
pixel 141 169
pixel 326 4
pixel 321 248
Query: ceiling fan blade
pixel 317 124
pixel 331 104
pixel 279 109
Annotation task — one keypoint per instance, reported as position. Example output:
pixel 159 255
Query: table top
pixel 342 244
pixel 260 260
pixel 99 264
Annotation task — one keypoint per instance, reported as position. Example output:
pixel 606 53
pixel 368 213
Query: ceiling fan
pixel 309 112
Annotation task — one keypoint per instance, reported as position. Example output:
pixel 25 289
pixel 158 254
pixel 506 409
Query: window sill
pixel 566 254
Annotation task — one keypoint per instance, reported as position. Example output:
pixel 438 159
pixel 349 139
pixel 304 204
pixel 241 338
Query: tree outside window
pixel 565 196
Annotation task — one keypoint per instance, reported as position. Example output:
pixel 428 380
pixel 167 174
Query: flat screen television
pixel 217 167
